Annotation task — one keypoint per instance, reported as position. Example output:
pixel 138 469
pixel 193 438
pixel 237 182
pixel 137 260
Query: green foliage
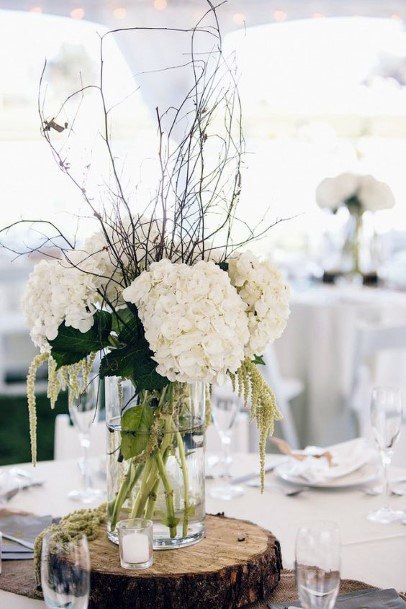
pixel 72 345
pixel 134 360
pixel 14 428
pixel 127 325
pixel 258 360
pixel 136 424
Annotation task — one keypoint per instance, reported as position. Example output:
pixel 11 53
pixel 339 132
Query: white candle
pixel 135 548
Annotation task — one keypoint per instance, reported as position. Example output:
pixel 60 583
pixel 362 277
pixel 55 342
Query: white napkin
pixel 347 457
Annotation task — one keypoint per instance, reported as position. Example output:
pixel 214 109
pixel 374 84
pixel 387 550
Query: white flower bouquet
pixel 164 300
pixel 358 193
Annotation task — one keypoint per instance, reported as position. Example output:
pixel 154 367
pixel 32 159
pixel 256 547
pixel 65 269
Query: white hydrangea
pixel 194 320
pixel 70 289
pixel 136 238
pixel 332 192
pixel 372 194
pixel 262 287
pixel 58 292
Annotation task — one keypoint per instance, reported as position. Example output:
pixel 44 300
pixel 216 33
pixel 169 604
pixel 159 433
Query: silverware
pixel 373 491
pixel 21 542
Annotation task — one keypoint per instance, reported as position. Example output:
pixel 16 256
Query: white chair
pixel 285 390
pixel 372 343
pixel 66 441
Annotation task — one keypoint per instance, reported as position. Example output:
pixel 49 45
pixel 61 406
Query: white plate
pixel 365 474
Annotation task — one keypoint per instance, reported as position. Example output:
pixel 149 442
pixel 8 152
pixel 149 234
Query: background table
pixel 371 552
pixel 318 345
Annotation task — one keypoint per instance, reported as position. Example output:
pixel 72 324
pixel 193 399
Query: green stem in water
pixel 154 493
pixel 127 485
pixel 185 474
pixel 144 490
pixel 172 521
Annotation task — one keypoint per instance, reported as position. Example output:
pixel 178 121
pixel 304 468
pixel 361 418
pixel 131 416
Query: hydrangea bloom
pixel 262 287
pixel 134 238
pixel 194 320
pixel 374 194
pixel 332 192
pixel 58 292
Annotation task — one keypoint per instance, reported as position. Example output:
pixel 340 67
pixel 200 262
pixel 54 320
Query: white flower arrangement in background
pixel 358 192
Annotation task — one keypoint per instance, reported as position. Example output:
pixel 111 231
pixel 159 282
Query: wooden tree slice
pixel 235 564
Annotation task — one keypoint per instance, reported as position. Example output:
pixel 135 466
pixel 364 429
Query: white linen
pixel 317 347
pixel 364 544
pixel 347 457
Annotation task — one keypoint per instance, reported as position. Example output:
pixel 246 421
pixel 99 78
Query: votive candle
pixel 136 543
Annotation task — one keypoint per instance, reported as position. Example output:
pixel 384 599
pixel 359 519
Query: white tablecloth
pixel 317 347
pixel 372 553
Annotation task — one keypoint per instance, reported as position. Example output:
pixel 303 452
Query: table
pixel 373 553
pixel 317 347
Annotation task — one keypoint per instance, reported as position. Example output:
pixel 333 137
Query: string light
pixel 77 13
pixel 318 16
pixel 239 18
pixel 396 17
pixel 160 5
pixel 120 13
pixel 36 9
pixel 280 15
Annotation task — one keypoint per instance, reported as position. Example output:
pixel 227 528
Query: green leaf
pixel 258 359
pixel 136 424
pixel 72 345
pixel 134 362
pixel 127 325
pixel 224 266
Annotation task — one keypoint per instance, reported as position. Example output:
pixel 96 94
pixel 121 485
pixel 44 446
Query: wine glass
pixel 83 409
pixel 65 572
pixel 386 420
pixel 224 410
pixel 317 565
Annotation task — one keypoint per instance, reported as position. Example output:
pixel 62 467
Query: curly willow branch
pixel 252 387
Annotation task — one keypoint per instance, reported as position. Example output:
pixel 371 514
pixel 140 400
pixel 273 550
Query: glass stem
pixel 85 444
pixel 386 460
pixel 227 460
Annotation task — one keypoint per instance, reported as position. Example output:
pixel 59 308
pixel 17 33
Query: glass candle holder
pixel 136 543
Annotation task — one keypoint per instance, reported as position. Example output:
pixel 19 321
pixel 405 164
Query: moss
pixel 81 522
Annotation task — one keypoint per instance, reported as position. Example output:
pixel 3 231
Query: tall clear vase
pixel 156 460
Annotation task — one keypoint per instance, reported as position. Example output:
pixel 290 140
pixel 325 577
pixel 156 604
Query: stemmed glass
pixel 386 421
pixel 224 410
pixel 83 411
pixel 317 565
pixel 65 572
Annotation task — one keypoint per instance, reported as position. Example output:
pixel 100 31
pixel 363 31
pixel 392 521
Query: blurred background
pixel 323 91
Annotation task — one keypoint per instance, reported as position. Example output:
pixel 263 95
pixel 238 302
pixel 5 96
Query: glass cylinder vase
pixel 351 253
pixel 155 460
